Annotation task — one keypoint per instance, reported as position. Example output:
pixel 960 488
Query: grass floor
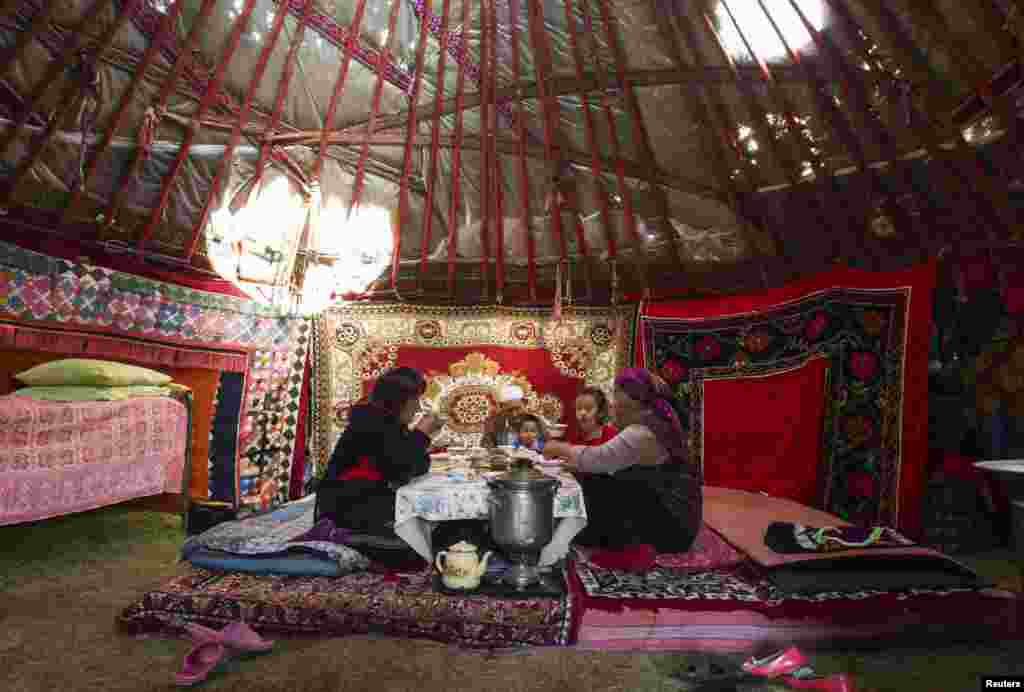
pixel 63 581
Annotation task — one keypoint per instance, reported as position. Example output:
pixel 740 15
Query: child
pixel 531 433
pixel 592 416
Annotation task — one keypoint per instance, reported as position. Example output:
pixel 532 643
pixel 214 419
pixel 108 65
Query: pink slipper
pixel 237 636
pixel 240 637
pixel 786 662
pixel 202 660
pixel 202 635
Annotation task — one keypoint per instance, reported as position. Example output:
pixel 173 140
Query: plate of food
pixel 556 431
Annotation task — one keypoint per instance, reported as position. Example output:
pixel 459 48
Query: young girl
pixel 592 416
pixel 531 432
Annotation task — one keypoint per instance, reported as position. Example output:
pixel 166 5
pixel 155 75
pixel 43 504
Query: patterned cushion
pixel 709 551
pixel 88 372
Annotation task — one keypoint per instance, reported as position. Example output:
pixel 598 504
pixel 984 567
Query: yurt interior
pixel 401 343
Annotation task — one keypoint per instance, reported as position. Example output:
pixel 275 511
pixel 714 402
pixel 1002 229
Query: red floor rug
pixel 399 605
pixel 736 609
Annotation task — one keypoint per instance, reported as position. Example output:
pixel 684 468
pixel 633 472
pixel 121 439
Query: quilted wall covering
pixel 467 354
pixel 258 406
pixel 848 348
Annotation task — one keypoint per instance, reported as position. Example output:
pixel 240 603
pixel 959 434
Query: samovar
pixel 522 514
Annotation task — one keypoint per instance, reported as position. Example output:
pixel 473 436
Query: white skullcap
pixel 510 393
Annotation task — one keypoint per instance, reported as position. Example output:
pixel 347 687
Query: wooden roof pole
pixel 53 70
pixel 549 110
pixel 456 197
pixel 595 158
pixel 485 151
pixel 494 175
pixel 971 70
pixel 40 23
pixel 524 180
pixel 858 102
pixel 152 120
pixel 212 89
pixel 339 85
pixel 67 100
pixel 758 116
pixel 224 170
pixel 641 142
pixel 948 173
pixel 431 178
pixel 410 128
pixel 633 169
pixel 719 147
pixel 646 152
pixel 826 111
pixel 138 75
pixel 624 192
pixel 788 156
pixel 283 85
pixel 562 84
pixel 726 126
pixel 589 129
pixel 383 59
pixel 980 190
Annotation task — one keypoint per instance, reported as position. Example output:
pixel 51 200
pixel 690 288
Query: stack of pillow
pixel 84 379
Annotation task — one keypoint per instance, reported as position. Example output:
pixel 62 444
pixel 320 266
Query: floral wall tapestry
pixel 467 354
pixel 868 332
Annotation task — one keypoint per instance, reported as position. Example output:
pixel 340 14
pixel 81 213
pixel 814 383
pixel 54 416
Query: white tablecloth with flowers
pixel 455 495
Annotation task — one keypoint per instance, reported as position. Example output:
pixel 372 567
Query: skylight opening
pixel 759 32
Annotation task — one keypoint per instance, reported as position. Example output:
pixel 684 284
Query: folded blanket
pixel 788 537
pixel 274 534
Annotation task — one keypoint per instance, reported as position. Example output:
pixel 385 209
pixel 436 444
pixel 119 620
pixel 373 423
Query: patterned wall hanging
pixel 224 435
pixel 874 338
pixel 37 288
pixel 466 353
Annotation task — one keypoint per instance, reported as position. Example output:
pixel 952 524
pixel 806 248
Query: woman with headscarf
pixel 639 487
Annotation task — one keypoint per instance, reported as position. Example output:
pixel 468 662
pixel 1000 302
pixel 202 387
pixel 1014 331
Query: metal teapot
pixel 462 567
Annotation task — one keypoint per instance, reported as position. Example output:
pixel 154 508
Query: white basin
pixel 1014 466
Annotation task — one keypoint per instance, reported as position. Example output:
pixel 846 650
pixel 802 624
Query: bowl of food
pixel 556 431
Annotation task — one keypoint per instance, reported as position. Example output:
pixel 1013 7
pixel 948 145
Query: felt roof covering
pixel 626 146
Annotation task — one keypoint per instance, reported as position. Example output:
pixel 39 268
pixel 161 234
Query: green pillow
pixel 84 371
pixel 87 393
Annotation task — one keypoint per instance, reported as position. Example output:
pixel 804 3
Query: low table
pixel 1011 473
pixel 456 495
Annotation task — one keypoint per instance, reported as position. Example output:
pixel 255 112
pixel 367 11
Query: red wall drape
pixel 764 433
pixel 920 280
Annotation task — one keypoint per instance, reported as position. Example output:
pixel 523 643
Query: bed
pixel 62 457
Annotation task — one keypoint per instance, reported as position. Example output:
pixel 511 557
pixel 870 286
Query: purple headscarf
pixel 660 417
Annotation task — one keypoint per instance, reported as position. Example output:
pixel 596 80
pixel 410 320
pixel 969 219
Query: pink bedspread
pixel 57 458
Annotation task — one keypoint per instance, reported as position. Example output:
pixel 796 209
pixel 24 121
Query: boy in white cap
pixel 503 427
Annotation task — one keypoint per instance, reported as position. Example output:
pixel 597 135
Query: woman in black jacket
pixel 378 453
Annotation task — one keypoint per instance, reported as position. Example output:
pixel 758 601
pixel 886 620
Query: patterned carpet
pixel 403 605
